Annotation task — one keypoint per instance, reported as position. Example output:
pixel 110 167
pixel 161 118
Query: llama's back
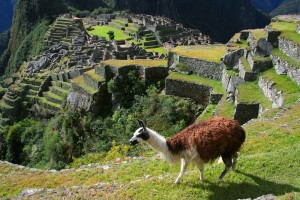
pixel 212 138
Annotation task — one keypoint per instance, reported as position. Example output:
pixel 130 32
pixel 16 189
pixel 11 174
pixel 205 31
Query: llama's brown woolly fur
pixel 211 138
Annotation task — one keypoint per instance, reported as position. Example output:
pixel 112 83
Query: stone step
pixel 93 79
pixel 32 92
pixel 8 111
pixel 78 85
pixel 285 65
pixel 58 91
pixel 31 81
pixel 279 89
pixel 11 102
pixel 49 105
pixel 245 71
pixel 29 86
pixel 150 43
pixel 53 98
pixel 248 106
pixel 259 64
pixel 30 98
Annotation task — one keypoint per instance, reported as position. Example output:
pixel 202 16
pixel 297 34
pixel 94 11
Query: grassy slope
pixel 212 53
pixel 268 164
pixel 101 31
pixel 288 30
pixel 144 63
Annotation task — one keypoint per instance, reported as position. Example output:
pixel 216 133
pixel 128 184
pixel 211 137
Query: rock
pixel 298 29
pixel 231 59
pixel 79 40
pixel 42 63
pixel 57 47
pixel 29 192
pixel 266 197
pixel 63 52
pixel 262 48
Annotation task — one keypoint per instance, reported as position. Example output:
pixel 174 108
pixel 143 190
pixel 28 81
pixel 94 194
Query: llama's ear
pixel 141 123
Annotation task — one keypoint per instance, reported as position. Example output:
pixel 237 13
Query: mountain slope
pixel 218 19
pixel 27 16
pixel 287 7
pixel 266 5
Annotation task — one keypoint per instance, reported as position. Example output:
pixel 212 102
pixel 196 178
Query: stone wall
pixel 245 75
pixel 230 82
pixel 271 92
pixel 231 59
pixel 282 67
pixel 259 65
pixel 203 68
pixel 199 93
pixel 245 112
pixel 289 48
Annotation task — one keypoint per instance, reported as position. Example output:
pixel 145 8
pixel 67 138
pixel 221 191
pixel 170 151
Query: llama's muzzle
pixel 133 142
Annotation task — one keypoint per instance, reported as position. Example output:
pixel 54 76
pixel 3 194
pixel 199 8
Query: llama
pixel 199 143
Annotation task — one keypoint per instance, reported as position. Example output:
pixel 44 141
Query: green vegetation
pixel 258 33
pixel 142 63
pixel 246 64
pixel 56 142
pixel 277 52
pixel 288 30
pixel 256 96
pixel 80 82
pixel 102 31
pixel 233 45
pixel 268 164
pixel 193 78
pixel 212 53
pixel 207 113
pixel 225 108
pixel 232 73
pixel 160 50
pixel 291 91
pixel 32 45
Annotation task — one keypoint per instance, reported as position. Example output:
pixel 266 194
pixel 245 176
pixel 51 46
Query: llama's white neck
pixel 158 143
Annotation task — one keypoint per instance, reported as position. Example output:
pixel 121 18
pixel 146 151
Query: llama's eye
pixel 143 135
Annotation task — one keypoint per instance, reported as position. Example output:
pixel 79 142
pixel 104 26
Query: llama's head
pixel 140 135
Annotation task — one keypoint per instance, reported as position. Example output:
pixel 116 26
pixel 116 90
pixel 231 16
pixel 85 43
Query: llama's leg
pixel 184 165
pixel 200 166
pixel 228 164
pixel 234 160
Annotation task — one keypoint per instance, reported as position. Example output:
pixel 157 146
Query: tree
pixel 111 35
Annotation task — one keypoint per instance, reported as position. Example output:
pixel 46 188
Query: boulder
pixel 262 48
pixel 42 63
pixel 231 59
pixel 57 47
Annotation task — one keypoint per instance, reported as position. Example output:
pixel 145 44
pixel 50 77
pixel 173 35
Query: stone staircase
pixel 62 30
pixel 53 100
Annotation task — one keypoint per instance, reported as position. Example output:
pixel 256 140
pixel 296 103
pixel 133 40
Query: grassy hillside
pixel 268 164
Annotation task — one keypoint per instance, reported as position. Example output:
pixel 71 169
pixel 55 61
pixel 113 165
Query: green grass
pixel 283 56
pixel 269 164
pixel 258 34
pixel 291 91
pixel 246 64
pixel 288 30
pixel 234 46
pixel 207 113
pixel 212 53
pixel 250 92
pixel 101 31
pixel 44 100
pixel 232 73
pixel 93 75
pixel 80 82
pixel 193 78
pixel 142 63
pixel 225 108
pixel 158 50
